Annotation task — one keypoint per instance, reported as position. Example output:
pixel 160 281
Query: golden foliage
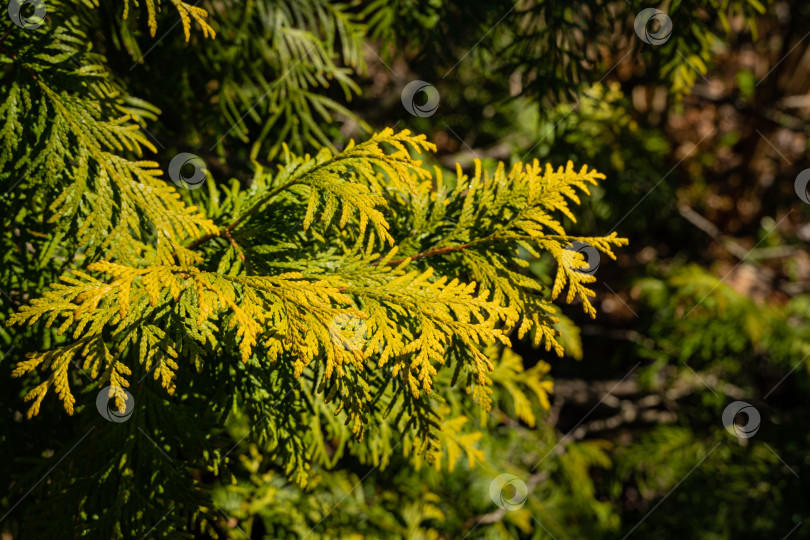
pixel 186 12
pixel 350 310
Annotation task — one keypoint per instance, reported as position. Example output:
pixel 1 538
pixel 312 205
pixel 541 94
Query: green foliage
pixel 342 340
pixel 327 339
pixel 552 50
pixel 186 11
pixel 406 320
pixel 68 133
pixel 269 76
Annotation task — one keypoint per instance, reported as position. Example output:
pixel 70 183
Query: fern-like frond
pixel 186 11
pixel 66 149
pixel 349 182
pixel 485 221
pixel 407 317
pixel 315 303
pixel 275 83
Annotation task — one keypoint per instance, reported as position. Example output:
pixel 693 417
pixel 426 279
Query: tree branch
pixel 225 231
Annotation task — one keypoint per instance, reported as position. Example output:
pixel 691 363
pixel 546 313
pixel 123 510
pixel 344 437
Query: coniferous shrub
pixel 334 303
pixel 243 297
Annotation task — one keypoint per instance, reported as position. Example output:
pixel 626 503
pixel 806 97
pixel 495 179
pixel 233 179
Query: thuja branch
pixel 433 252
pixel 345 177
pixel 450 249
pixel 225 231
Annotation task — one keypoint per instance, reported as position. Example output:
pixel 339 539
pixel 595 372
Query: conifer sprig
pixel 69 129
pixel 483 222
pixel 186 11
pixel 348 181
pixel 350 319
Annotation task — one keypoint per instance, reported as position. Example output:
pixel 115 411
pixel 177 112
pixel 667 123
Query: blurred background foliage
pixel 701 139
